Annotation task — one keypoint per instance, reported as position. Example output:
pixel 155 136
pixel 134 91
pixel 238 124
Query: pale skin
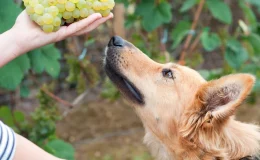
pixel 25 36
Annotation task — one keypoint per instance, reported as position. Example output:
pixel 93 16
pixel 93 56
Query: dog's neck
pixel 237 140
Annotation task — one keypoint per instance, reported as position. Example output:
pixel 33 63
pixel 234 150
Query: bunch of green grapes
pixel 51 14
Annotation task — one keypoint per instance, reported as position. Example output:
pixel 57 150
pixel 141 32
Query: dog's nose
pixel 116 41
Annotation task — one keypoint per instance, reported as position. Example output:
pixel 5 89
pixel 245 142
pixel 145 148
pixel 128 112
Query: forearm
pixel 9 49
pixel 26 150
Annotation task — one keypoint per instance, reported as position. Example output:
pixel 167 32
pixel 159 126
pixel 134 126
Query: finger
pixel 23 13
pixel 23 17
pixel 94 25
pixel 66 31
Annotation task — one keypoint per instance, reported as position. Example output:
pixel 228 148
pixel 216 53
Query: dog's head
pixel 172 99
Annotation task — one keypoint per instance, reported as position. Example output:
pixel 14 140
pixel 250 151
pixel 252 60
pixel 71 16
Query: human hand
pixel 30 36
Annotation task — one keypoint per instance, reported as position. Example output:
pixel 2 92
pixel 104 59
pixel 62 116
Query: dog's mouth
pixel 127 88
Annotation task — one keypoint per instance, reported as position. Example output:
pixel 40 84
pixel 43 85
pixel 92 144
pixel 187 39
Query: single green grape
pixel 57 21
pixel 47 18
pixel 61 7
pixel 104 7
pixel 33 3
pixel 54 11
pixel 84 13
pixel 74 1
pixel 35 16
pixel 81 4
pixel 76 13
pixel 97 5
pixel 70 6
pixel 67 15
pixel 39 9
pixel 105 13
pixel 45 3
pixel 26 4
pixel 47 28
pixel 91 11
pixel 52 2
pixel 40 21
pixel 29 10
pixel 111 4
pixel 88 5
pixel 61 1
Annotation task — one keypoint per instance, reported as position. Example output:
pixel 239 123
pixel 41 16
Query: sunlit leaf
pixel 220 10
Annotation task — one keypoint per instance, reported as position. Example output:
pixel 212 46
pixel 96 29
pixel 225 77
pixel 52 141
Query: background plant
pixel 215 37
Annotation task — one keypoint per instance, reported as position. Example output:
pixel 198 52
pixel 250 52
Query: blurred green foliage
pixel 159 28
pixel 41 128
pixel 239 46
pixel 39 60
pixel 230 29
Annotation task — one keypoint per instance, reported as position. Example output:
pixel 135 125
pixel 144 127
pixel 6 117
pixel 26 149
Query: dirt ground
pixel 104 130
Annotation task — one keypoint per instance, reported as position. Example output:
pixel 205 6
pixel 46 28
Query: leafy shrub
pixel 41 129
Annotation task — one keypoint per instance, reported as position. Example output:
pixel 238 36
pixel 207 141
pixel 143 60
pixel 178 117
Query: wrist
pixel 9 49
pixel 18 42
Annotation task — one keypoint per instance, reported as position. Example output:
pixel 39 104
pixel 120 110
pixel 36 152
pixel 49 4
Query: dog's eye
pixel 167 73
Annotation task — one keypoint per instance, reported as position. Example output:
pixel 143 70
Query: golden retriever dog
pixel 184 116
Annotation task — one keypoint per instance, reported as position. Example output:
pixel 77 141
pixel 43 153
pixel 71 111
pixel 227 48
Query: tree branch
pixel 66 103
pixel 193 27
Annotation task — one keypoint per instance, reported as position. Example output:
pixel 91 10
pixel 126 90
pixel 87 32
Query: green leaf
pixel 125 2
pixel 130 20
pixel 188 4
pixel 251 68
pixel 46 58
pixel 220 10
pixel 24 91
pixel 10 118
pixel 6 116
pixel 179 39
pixel 179 32
pixel 254 2
pixel 13 73
pixel 61 149
pixel 153 15
pixel 19 116
pixel 211 74
pixel 235 54
pixel 8 13
pixel 210 41
pixel 257 86
pixel 89 42
pixel 249 14
pixel 180 27
pixel 254 40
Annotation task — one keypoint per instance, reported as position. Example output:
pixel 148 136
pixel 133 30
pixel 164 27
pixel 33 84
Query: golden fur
pixel 188 118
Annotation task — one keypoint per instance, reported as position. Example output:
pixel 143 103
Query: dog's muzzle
pixel 116 41
pixel 113 63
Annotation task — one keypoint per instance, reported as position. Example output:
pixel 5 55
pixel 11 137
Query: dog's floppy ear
pixel 220 98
